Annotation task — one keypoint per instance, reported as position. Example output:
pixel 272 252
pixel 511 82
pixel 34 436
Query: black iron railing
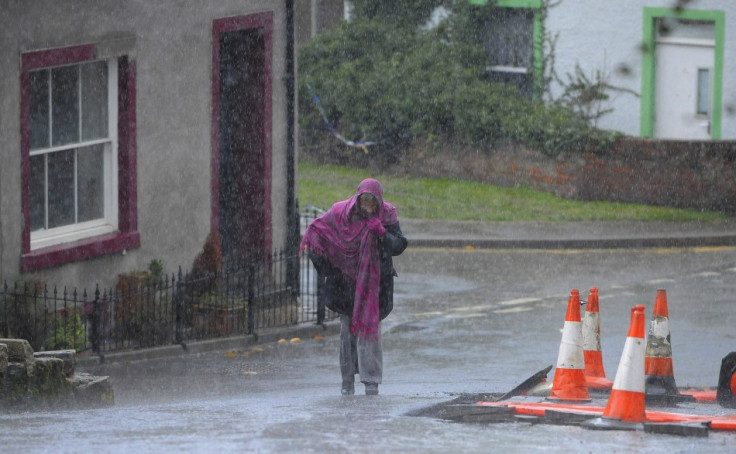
pixel 142 312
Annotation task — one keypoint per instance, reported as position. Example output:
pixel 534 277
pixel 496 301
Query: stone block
pixel 92 391
pixel 50 379
pixel 3 361
pixel 19 350
pixel 69 357
pixel 17 380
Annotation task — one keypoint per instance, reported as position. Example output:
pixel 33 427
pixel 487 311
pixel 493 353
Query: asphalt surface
pixel 467 320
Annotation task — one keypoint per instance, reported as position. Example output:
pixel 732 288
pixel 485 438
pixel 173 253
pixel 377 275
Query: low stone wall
pixel 47 379
pixel 681 174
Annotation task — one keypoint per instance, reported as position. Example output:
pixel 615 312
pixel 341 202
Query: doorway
pixel 243 214
pixel 684 82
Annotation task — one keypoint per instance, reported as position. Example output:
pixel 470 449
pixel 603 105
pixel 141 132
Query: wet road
pixel 465 322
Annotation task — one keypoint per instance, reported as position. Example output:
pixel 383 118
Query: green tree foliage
pixel 404 13
pixel 392 82
pixel 468 20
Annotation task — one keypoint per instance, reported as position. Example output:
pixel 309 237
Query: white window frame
pixel 109 222
pixel 508 69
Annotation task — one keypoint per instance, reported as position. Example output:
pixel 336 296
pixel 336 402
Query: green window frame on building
pixel 537 68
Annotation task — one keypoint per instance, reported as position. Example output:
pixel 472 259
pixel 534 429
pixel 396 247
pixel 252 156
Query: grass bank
pixel 459 200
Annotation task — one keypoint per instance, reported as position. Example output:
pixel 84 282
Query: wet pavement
pixel 466 320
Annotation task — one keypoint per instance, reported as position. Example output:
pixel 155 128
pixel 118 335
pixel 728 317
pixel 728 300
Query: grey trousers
pixel 359 356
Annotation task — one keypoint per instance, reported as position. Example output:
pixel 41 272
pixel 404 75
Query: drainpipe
pixel 292 213
pixel 2 246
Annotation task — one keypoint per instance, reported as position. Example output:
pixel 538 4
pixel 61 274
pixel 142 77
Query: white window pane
pixel 94 100
pixel 90 174
pixel 65 105
pixel 61 188
pixel 508 37
pixel 38 100
pixel 38 193
pixel 703 91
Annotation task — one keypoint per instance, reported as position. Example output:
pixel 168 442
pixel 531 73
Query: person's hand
pixel 375 226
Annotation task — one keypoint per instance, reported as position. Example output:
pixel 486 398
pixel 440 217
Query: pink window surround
pixel 127 236
pixel 220 26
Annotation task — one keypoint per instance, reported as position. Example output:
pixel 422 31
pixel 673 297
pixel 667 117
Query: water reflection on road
pixel 318 422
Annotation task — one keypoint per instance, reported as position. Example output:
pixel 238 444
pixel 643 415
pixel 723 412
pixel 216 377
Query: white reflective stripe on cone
pixel 630 373
pixel 591 332
pixel 571 347
pixel 660 327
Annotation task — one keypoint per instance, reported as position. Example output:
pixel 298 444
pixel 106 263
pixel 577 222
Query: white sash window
pixel 73 152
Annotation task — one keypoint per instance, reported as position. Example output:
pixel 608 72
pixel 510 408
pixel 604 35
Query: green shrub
pixel 156 270
pixel 486 114
pixel 400 86
pixel 407 13
pixel 68 331
pixel 392 84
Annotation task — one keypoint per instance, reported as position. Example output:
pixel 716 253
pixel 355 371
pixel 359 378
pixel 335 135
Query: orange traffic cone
pixel 569 382
pixel 627 400
pixel 595 376
pixel 626 404
pixel 726 393
pixel 660 377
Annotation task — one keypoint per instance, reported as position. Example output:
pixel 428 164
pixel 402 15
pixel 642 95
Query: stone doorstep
pixel 69 357
pixel 19 350
pixel 52 372
pixel 92 391
pixel 17 372
pixel 3 359
pixel 50 377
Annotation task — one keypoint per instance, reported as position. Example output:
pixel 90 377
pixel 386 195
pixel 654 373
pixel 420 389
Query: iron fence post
pixel 178 301
pixel 95 335
pixel 251 299
pixel 292 252
pixel 5 310
pixel 321 282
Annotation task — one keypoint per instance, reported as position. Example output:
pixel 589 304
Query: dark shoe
pixel 348 388
pixel 371 389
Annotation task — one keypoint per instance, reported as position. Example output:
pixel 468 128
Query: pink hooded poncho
pixel 344 239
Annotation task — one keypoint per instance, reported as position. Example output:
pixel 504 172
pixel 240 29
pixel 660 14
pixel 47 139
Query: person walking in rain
pixel 352 246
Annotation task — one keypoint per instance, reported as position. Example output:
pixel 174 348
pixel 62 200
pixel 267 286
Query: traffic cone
pixel 595 375
pixel 626 404
pixel 660 377
pixel 627 400
pixel 726 393
pixel 569 381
